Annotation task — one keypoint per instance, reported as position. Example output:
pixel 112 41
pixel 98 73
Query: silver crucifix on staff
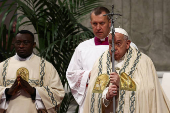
pixel 113 49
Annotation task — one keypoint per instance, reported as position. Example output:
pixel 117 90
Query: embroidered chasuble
pixel 42 76
pixel 146 95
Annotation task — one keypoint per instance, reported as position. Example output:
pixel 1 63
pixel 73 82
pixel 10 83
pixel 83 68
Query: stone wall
pixel 148 25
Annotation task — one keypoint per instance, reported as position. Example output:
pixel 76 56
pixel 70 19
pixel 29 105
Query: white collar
pixel 103 39
pixel 22 59
pixel 119 63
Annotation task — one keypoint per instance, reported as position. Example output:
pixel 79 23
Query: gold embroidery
pixel 23 72
pixel 126 83
pixel 101 83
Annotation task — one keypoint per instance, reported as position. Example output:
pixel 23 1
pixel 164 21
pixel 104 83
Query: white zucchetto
pixel 120 30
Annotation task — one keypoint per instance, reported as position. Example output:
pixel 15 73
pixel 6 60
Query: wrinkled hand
pixel 112 91
pixel 114 78
pixel 14 88
pixel 26 86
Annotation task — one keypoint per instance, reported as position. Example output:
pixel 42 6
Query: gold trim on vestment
pixel 101 83
pixel 126 83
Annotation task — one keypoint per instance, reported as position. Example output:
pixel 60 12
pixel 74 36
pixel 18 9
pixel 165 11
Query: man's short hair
pixel 26 32
pixel 99 10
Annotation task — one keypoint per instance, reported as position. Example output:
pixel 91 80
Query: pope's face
pixel 121 45
pixel 24 45
pixel 100 25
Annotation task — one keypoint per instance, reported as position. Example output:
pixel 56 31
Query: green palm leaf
pixel 57 24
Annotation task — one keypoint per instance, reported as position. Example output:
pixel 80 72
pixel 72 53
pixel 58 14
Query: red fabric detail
pixel 99 42
pixel 78 82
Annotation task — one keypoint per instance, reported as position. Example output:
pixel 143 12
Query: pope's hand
pixel 112 91
pixel 114 78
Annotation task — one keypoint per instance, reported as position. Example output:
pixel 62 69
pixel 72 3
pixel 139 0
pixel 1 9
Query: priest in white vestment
pixel 86 53
pixel 135 84
pixel 28 83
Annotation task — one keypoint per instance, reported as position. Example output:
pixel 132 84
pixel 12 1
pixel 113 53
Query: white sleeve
pixel 105 101
pixel 38 101
pixel 77 77
pixel 4 103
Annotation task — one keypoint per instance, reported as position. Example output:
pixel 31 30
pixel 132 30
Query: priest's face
pixel 24 44
pixel 100 25
pixel 121 45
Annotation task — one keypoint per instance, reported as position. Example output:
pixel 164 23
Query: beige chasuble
pixel 147 97
pixel 42 76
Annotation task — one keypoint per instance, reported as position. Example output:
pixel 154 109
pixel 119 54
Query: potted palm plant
pixel 58 28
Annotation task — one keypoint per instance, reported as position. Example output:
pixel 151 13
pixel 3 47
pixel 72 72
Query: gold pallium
pixel 23 72
pixel 101 83
pixel 126 83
